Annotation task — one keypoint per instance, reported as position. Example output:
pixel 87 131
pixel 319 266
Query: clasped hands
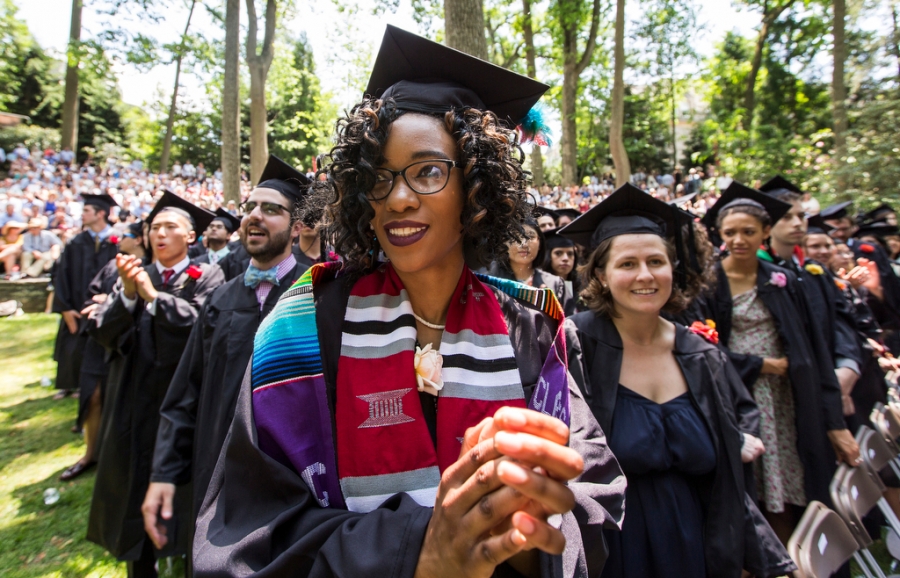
pixel 135 280
pixel 494 502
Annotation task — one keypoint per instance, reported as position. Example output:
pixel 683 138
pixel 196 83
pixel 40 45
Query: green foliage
pixel 301 118
pixel 30 136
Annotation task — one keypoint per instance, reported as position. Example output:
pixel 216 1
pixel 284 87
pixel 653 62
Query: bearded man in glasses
pixel 199 405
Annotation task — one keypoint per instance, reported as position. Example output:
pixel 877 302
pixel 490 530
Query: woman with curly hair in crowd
pixel 664 395
pixel 409 417
pixel 766 324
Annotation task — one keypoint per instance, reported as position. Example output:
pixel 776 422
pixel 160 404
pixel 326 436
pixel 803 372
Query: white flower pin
pixel 428 364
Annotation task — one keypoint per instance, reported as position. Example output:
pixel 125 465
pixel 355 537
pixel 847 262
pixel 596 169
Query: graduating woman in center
pixel 664 394
pixel 409 418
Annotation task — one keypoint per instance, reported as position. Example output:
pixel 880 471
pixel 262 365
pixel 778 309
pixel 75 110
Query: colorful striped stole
pixel 383 446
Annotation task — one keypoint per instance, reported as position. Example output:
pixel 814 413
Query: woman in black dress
pixel 663 394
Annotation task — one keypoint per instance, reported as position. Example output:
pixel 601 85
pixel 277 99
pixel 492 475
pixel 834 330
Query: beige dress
pixel 779 472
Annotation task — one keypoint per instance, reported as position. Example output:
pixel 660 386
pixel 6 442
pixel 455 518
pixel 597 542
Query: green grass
pixel 35 447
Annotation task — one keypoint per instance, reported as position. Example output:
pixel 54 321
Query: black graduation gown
pixel 235 262
pixel 735 533
pixel 817 394
pixel 259 517
pixel 94 367
pixel 199 405
pixel 890 283
pixel 146 350
pixel 79 263
pixel 834 317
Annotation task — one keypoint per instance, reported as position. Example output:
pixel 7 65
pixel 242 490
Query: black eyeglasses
pixel 426 178
pixel 270 209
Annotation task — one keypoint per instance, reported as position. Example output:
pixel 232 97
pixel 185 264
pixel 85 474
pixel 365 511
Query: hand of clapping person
pixel 135 280
pixel 857 276
pixel 494 503
pixel 873 281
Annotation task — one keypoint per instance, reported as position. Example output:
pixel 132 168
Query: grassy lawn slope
pixel 35 447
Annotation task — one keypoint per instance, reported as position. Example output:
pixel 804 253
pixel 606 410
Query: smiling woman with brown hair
pixel 665 397
pixel 412 418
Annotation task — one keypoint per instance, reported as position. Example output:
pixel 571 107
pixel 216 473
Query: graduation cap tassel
pixel 534 128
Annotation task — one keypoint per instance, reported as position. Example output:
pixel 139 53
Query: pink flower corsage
pixel 778 279
pixel 194 272
pixel 429 364
pixel 705 331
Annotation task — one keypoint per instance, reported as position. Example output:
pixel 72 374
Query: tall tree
pixel 771 11
pixel 73 58
pixel 839 89
pixel 669 30
pixel 570 16
pixel 537 160
pixel 617 113
pixel 259 61
pixel 231 134
pixel 464 26
pixel 173 107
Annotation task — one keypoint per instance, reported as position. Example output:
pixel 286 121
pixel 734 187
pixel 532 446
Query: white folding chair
pixel 852 504
pixel 821 543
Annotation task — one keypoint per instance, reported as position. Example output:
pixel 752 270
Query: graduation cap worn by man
pixel 229 221
pixel 198 217
pixel 629 210
pixel 282 177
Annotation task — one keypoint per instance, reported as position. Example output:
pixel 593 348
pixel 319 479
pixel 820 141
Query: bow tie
pixel 253 277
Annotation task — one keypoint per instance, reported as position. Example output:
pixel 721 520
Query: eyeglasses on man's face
pixel 424 177
pixel 268 209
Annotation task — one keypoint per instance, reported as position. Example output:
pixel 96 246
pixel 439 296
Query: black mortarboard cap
pixel 630 210
pixel 554 240
pixel 877 213
pixel 540 211
pixel 778 185
pixel 738 194
pixel 838 211
pixel 103 202
pixel 878 229
pixel 424 76
pixel 571 213
pixel 818 226
pixel 200 218
pixel 231 222
pixel 282 177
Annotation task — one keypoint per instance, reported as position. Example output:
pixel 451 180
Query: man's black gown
pixel 79 263
pixel 146 351
pixel 736 535
pixel 817 394
pixel 259 517
pixel 833 313
pixel 199 405
pixel 94 367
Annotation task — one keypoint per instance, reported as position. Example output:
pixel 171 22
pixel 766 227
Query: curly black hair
pixel 494 182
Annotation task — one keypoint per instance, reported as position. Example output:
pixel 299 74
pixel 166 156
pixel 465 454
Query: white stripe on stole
pixel 494 379
pixel 475 352
pixel 364 504
pixel 377 339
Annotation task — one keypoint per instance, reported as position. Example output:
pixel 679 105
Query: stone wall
pixel 32 293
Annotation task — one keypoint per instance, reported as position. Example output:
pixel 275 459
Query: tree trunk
pixel 895 37
pixel 259 62
pixel 464 26
pixel 573 66
pixel 70 105
pixel 617 114
pixel 839 91
pixel 173 106
pixel 674 123
pixel 231 134
pixel 769 17
pixel 537 159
